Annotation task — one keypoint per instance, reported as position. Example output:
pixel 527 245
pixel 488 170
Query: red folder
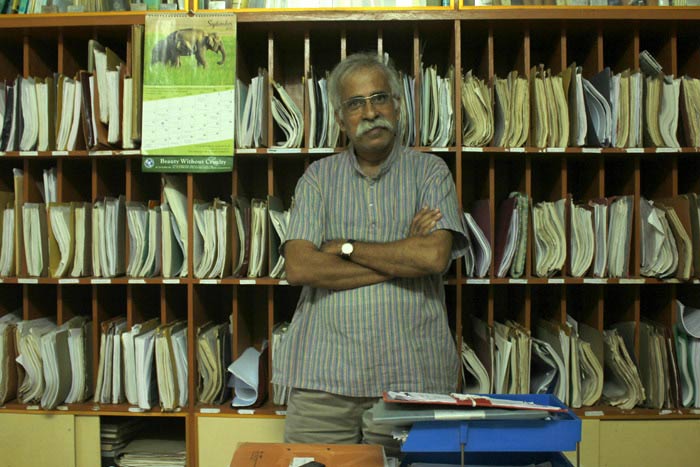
pixel 465 401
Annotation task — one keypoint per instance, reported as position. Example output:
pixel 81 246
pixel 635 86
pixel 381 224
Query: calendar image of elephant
pixel 188 42
pixel 190 51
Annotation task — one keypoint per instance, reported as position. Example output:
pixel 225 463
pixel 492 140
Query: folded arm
pixel 307 265
pixel 423 252
pixel 411 257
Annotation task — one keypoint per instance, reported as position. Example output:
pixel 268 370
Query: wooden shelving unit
pixel 490 41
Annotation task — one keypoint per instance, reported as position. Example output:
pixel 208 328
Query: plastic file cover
pixel 547 367
pixel 474 374
pixel 479 242
pixel 252 101
pixel 249 377
pixel 175 194
pixel 659 254
pixel 401 415
pixel 599 116
pixel 289 118
pixel 554 335
pixel 560 432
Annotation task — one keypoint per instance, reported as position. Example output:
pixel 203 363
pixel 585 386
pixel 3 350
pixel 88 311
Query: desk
pixel 332 455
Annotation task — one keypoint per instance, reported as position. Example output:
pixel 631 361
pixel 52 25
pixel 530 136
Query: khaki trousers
pixel 324 418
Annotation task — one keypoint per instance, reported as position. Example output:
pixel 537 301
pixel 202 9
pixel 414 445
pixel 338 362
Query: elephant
pixel 162 53
pixel 185 42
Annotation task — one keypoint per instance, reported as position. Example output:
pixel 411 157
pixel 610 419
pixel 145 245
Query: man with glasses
pixel 372 231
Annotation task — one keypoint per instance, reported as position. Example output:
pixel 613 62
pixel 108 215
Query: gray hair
pixel 358 61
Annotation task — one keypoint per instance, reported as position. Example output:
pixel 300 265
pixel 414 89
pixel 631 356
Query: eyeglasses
pixel 355 104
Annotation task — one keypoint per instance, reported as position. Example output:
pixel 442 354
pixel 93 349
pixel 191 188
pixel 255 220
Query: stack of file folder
pixel 8 354
pixel 97 108
pixel 436 97
pixel 115 433
pixel 53 362
pixel 251 113
pixel 480 253
pixel 213 348
pixel 478 125
pixel 144 364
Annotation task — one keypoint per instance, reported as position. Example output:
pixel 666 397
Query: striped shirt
pixel 388 336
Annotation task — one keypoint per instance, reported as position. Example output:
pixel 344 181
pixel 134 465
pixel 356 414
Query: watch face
pixel 346 249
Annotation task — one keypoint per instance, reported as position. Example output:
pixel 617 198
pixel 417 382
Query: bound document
pixel 35 239
pixel 61 234
pixel 8 354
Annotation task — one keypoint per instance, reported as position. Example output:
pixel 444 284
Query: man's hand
pixel 424 221
pixel 332 247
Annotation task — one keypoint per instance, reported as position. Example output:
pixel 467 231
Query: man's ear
pixel 397 103
pixel 339 119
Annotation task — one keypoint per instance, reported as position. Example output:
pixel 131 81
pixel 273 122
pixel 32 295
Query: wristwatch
pixel 346 249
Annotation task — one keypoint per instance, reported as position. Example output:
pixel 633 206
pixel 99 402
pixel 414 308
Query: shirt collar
pixel 386 164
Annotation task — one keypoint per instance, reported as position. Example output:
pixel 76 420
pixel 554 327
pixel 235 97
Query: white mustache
pixel 379 122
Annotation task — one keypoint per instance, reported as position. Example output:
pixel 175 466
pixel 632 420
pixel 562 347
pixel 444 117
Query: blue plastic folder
pixel 507 442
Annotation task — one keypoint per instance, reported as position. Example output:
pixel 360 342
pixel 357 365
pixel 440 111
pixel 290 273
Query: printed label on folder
pixel 100 281
pixel 478 281
pixel 68 280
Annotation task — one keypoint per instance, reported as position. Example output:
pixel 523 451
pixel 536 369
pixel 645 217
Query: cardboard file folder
pixel 332 455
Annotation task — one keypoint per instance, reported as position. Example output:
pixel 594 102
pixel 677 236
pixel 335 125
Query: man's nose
pixel 369 112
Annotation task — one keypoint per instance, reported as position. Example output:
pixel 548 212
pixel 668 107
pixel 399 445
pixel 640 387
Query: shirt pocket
pixel 344 216
pixel 399 213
